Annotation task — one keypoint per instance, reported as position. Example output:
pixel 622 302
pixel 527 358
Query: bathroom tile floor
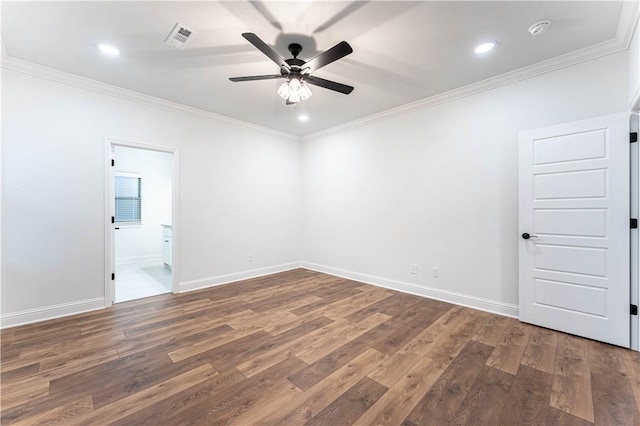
pixel 143 279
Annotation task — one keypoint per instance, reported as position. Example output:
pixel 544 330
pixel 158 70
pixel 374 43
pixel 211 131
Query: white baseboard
pixel 488 305
pixel 236 276
pixel 138 259
pixel 50 312
pixel 72 308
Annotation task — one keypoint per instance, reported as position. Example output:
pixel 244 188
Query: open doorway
pixel 141 198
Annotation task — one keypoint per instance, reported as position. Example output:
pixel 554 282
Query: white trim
pixel 482 304
pixel 50 312
pixel 236 276
pixel 139 259
pixel 175 214
pixel 73 80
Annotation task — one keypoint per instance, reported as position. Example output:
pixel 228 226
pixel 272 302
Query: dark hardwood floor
pixel 302 347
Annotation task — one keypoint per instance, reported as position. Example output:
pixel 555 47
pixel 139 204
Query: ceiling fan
pixel 298 72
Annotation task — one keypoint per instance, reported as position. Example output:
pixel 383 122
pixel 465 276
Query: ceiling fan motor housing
pixel 295 49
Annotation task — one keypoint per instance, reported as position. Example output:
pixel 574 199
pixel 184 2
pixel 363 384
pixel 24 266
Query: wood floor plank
pixel 571 386
pixel 319 370
pixel 23 391
pixel 61 415
pixel 441 341
pixel 394 305
pixel 233 357
pixel 540 352
pixel 508 352
pixel 394 368
pixel 367 355
pixel 316 350
pixel 210 343
pixel 318 397
pixel 184 401
pixel 277 399
pixel 443 399
pixel 447 347
pixel 266 359
pixel 561 418
pixel 613 398
pixel 19 372
pixel 334 295
pixel 134 402
pixel 528 400
pixel 632 370
pixel 350 405
pixel 223 407
pixel 416 321
pixel 403 396
pixel 491 328
pixel 490 389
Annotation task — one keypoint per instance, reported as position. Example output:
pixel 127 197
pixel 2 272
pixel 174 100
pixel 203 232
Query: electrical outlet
pixel 251 257
pixel 414 269
pixel 436 272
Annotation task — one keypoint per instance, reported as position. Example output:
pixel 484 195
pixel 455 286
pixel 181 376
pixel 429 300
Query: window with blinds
pixel 128 198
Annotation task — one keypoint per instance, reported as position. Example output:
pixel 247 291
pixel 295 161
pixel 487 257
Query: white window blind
pixel 128 198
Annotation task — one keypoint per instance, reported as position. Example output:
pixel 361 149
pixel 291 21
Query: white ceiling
pixel 403 51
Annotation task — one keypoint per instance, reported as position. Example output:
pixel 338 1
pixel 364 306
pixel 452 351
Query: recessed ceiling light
pixel 303 117
pixel 484 47
pixel 108 49
pixel 539 27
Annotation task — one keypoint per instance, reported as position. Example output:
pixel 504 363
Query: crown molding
pixel 25 67
pixel 624 33
pixel 628 22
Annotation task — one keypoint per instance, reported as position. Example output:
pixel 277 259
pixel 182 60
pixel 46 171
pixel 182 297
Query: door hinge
pixel 113 162
pixel 113 219
pixel 634 309
pixel 633 137
pixel 113 276
pixel 634 223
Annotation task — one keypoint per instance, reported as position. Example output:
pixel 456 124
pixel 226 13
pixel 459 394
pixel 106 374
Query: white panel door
pixel 574 228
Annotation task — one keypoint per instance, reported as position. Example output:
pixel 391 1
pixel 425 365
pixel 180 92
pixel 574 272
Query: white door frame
pixel 109 258
pixel 635 244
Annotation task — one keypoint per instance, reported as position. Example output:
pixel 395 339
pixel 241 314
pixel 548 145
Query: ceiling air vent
pixel 178 36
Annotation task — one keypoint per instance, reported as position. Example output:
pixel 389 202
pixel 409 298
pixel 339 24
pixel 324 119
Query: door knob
pixel 526 236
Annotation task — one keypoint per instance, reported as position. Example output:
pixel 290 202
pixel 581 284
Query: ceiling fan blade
pixel 338 51
pixel 266 49
pixel 257 77
pixel 328 84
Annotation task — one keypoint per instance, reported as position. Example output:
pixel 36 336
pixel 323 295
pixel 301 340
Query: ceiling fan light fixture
pixel 294 84
pixel 294 90
pixel 305 92
pixel 284 90
pixel 294 97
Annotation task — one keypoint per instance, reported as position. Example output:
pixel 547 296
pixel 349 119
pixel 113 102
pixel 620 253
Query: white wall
pixel 435 187
pixel 239 193
pixel 439 186
pixel 134 243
